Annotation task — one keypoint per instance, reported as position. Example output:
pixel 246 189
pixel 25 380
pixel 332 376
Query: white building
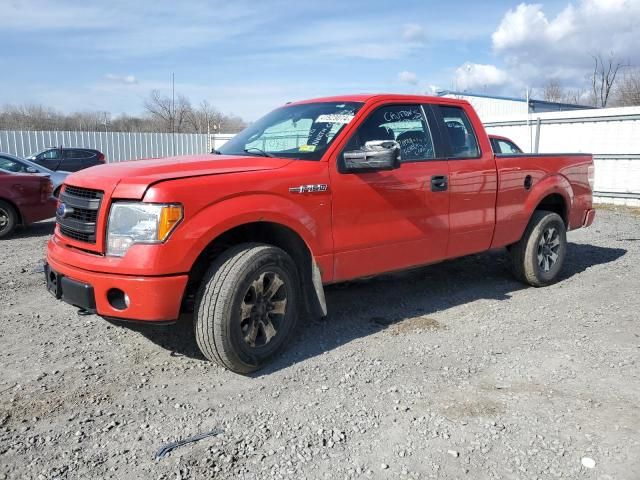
pixel 491 107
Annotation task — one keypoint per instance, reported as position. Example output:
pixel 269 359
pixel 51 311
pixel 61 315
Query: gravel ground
pixel 451 371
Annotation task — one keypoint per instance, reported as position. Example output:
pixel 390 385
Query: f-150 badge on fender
pixel 320 187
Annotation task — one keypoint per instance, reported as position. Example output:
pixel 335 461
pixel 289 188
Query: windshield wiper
pixel 259 150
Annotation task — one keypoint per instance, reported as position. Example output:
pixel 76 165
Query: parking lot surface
pixel 447 372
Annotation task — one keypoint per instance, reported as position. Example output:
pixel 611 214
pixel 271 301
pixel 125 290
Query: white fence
pixel 117 146
pixel 612 135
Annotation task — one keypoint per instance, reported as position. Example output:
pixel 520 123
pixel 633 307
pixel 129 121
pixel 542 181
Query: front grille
pixel 82 192
pixel 82 206
pixel 83 215
pixel 81 237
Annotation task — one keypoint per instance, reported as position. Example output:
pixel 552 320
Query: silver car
pixel 13 164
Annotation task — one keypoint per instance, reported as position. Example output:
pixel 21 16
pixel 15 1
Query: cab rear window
pixel 462 138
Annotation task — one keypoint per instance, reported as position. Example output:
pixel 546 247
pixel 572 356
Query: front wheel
pixel 246 307
pixel 538 257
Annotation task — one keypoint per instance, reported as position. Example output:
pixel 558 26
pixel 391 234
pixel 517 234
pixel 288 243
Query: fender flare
pixel 214 220
pixel 552 184
pixel 510 230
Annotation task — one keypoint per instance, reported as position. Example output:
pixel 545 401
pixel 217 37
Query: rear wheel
pixel 246 308
pixel 8 219
pixel 538 257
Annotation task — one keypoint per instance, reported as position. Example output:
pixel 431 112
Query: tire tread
pixel 520 251
pixel 213 299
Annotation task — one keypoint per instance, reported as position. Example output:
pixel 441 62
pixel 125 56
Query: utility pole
pixel 529 121
pixel 173 113
pixel 209 144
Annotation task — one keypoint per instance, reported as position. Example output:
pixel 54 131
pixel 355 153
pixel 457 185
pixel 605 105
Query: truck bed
pixel 568 172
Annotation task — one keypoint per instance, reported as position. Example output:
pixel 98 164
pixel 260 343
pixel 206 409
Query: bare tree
pixel 231 124
pixel 161 109
pixel 627 93
pixel 163 115
pixel 603 78
pixel 575 96
pixel 203 118
pixel 553 91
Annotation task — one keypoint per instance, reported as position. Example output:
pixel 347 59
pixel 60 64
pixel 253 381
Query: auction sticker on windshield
pixel 334 118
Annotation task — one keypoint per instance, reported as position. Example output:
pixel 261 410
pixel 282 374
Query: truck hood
pixel 132 178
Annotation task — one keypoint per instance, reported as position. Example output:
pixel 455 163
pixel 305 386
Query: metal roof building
pixel 490 107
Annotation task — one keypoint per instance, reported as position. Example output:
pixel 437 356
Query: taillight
pixel 46 190
pixel 101 158
pixel 591 176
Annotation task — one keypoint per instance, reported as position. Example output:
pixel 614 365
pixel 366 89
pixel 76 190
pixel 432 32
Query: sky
pixel 247 57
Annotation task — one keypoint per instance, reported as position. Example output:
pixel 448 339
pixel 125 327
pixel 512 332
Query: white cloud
pixel 125 79
pixel 536 46
pixel 477 76
pixel 408 77
pixel 413 32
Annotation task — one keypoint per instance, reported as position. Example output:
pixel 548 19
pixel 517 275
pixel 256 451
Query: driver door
pixel 391 219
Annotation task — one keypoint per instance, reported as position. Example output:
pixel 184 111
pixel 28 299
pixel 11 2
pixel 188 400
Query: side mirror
pixel 376 155
pixel 31 170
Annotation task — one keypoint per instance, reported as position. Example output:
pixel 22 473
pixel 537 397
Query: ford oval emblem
pixel 62 210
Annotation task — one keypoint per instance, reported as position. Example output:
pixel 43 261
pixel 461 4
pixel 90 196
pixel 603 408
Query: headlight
pixel 137 222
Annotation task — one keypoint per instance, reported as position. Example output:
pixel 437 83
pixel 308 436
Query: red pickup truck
pixel 315 192
pixel 24 199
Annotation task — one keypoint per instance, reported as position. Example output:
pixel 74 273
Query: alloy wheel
pixel 263 309
pixel 548 247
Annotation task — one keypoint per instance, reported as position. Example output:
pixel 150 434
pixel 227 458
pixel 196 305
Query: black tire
pixel 538 257
pixel 238 282
pixel 8 219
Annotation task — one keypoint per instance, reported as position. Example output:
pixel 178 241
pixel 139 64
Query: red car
pixel 503 145
pixel 24 199
pixel 316 192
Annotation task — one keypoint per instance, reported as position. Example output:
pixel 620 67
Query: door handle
pixel 439 183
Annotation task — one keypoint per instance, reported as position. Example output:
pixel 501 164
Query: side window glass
pixel 51 154
pixel 508 147
pixel 462 138
pixel 77 154
pixel 403 123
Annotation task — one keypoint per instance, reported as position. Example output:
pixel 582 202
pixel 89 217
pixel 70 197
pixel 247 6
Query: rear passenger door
pixel 88 159
pixel 391 219
pixel 472 181
pixel 72 160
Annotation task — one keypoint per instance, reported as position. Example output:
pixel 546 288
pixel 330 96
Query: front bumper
pixel 149 299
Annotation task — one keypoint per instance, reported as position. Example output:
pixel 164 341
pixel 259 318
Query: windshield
pixel 298 131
